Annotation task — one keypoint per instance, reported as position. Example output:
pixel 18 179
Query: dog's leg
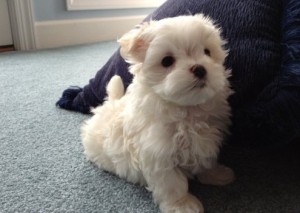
pixel 219 175
pixel 170 190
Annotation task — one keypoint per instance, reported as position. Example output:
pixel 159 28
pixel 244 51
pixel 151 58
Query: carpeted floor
pixel 43 169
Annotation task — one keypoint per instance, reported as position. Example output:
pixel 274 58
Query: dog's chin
pixel 198 95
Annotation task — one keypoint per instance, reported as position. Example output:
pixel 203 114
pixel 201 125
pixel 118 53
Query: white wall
pixel 5 30
pixel 55 26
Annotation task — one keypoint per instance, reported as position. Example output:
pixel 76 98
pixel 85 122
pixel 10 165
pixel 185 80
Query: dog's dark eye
pixel 167 61
pixel 207 52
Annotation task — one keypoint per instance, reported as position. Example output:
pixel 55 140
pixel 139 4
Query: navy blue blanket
pixel 264 42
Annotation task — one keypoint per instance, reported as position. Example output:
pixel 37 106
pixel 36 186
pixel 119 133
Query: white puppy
pixel 169 124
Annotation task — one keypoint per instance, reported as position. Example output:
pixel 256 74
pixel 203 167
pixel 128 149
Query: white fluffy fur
pixel 169 124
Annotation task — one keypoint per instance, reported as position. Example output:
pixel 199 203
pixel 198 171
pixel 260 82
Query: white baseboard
pixel 115 4
pixel 50 34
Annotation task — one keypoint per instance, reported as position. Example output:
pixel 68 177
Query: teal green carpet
pixel 43 169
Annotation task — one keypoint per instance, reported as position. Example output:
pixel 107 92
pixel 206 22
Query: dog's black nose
pixel 199 71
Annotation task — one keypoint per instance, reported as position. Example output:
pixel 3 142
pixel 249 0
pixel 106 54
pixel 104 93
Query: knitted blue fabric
pixel 263 40
pixel 274 119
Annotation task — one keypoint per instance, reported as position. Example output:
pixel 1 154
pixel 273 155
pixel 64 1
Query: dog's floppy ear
pixel 135 43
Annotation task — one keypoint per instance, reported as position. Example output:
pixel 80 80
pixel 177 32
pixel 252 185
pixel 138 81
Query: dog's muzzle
pixel 199 71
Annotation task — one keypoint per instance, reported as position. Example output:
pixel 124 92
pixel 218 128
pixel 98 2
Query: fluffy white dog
pixel 169 125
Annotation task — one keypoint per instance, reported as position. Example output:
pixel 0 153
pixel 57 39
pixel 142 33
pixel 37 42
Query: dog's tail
pixel 115 88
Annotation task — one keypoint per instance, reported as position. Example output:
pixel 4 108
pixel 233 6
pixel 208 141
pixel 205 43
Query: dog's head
pixel 180 58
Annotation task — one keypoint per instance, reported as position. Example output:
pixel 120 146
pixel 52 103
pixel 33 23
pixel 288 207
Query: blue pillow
pixel 273 119
pixel 253 29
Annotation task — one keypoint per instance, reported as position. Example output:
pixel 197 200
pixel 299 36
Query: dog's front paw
pixel 219 175
pixel 187 204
